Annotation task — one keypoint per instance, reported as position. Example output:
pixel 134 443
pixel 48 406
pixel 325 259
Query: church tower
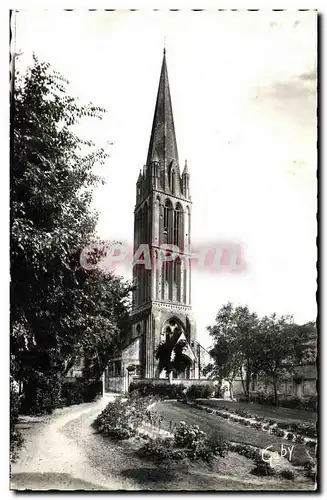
pixel 162 216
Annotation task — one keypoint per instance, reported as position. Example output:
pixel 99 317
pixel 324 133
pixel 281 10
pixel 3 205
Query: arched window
pixel 145 225
pixel 167 220
pixel 178 225
pixel 172 180
pixel 187 226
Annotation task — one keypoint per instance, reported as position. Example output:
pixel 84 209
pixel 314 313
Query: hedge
pixel 163 390
pixel 295 403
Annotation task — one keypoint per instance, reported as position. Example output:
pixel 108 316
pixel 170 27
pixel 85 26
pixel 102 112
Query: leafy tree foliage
pixel 284 347
pixel 247 345
pixel 235 340
pixel 58 308
pixel 171 357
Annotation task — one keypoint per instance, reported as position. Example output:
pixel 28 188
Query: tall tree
pixel 284 348
pixel 56 304
pixel 226 363
pixel 237 328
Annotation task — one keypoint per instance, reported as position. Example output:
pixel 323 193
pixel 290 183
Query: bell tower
pixel 162 216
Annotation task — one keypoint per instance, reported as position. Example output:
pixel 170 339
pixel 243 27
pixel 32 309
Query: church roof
pixel 163 147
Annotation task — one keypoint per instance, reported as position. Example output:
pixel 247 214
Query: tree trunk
pixel 242 380
pixel 275 389
pixel 247 382
pixel 170 377
pixel 231 395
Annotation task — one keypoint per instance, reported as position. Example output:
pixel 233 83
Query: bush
pixel 196 391
pixel 241 413
pixel 92 390
pixel 41 394
pixel 163 390
pixel 16 439
pixel 189 436
pixel 256 425
pixel 80 391
pixel 72 393
pixel 263 469
pixel 120 418
pixel 197 443
pixel 287 474
pixel 246 451
pixel 295 403
pixel 210 449
pixel 161 449
pixel 290 436
pixel 277 432
pixel 311 469
pixel 309 430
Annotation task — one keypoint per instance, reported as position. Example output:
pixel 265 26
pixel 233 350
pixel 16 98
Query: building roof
pixel 163 146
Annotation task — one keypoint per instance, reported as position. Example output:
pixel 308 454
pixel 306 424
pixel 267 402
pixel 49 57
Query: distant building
pixel 162 299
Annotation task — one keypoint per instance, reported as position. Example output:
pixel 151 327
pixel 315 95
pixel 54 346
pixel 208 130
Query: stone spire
pixel 163 147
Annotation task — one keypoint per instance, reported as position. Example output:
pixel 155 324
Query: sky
pixel 243 88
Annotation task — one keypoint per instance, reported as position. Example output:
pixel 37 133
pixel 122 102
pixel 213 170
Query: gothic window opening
pixel 178 225
pixel 172 181
pixel 167 208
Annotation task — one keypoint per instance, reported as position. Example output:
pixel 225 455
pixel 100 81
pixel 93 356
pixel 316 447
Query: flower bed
pixel 122 417
pixel 189 442
pixel 125 418
pixel 298 433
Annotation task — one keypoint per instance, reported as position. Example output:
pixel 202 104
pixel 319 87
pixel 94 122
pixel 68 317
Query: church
pixel 161 307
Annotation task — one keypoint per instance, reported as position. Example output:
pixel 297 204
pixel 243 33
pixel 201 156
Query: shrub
pixel 210 449
pixel 299 439
pixel 72 392
pixel 16 439
pixel 196 391
pixel 256 425
pixel 290 436
pixel 120 419
pixel 92 390
pixel 309 430
pixel 242 413
pixel 296 403
pixel 311 469
pixel 189 436
pixel 163 390
pixel 263 469
pixel 41 393
pixel 287 474
pixel 245 450
pixel 199 446
pixel 310 404
pixel 161 449
pixel 277 432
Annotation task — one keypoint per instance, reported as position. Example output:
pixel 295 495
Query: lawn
pixel 213 425
pixel 279 414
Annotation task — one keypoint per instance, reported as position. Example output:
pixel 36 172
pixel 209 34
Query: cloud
pixel 300 86
pixel 309 76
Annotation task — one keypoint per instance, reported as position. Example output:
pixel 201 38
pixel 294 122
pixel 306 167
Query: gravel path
pixel 55 452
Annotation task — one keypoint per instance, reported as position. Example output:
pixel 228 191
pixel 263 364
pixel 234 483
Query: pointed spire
pixel 163 141
pixel 185 170
pixel 140 176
